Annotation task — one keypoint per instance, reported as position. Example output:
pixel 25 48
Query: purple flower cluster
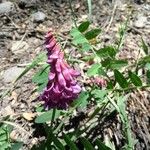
pixel 62 87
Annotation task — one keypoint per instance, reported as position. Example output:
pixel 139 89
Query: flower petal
pixel 61 79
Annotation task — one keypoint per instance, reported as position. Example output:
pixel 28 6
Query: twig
pixel 73 14
pixel 16 26
pixel 21 39
pixel 112 17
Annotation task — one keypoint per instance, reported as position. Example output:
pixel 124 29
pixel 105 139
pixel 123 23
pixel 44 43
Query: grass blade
pixel 40 58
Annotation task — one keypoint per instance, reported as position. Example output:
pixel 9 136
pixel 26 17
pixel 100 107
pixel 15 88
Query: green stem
pixel 90 9
pixel 53 117
pixel 126 124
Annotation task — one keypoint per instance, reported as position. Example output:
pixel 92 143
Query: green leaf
pixel 148 76
pixel 79 39
pixel 144 60
pixel 100 94
pixel 101 146
pixel 117 64
pixel 145 47
pixel 82 100
pixel 106 52
pixel 120 79
pixel 41 78
pixel 87 144
pixel 114 64
pixel 57 143
pixel 135 79
pixel 92 34
pixel 86 46
pixel 110 85
pixel 47 116
pixel 93 70
pixel 84 26
pixel 40 146
pixel 40 58
pixel 70 143
pixel 39 108
pixel 147 66
pixel 121 105
pixel 17 146
pixel 5 146
pixel 4 138
pixel 106 62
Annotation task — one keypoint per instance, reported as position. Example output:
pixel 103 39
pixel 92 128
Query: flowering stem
pixel 53 116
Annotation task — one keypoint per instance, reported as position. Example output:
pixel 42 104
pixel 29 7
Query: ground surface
pixel 21 27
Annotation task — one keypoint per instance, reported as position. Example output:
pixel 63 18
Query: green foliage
pixel 145 47
pixel 81 39
pixel 47 116
pixel 99 94
pixel 84 26
pixel 5 141
pixel 117 64
pixel 127 129
pixel 82 101
pixel 107 51
pixel 148 76
pixel 92 34
pixel 40 58
pixel 17 146
pixel 143 61
pixel 4 137
pixel 105 63
pixel 120 79
pixel 135 79
pixel 87 144
pixel 57 142
pixel 114 64
pixel 70 143
pixel 101 145
pixel 41 77
pixel 93 70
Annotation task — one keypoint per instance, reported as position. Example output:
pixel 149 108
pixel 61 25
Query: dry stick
pixel 112 17
pixel 16 26
pixel 146 130
pixel 17 46
pixel 73 13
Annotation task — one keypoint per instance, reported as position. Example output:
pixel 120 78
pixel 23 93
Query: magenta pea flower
pixel 62 87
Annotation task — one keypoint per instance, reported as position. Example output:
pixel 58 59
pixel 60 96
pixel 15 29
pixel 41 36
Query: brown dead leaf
pixel 28 116
pixel 14 95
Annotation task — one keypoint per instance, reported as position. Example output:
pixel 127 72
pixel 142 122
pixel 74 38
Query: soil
pixel 18 25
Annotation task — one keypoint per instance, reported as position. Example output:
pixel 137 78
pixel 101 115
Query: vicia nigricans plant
pixel 62 88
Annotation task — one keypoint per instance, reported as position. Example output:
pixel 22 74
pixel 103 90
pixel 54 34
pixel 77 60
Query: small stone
pixel 11 74
pixel 38 16
pixel 140 22
pixel 6 7
pixel 7 111
pixel 26 3
pixel 19 47
pixel 13 135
